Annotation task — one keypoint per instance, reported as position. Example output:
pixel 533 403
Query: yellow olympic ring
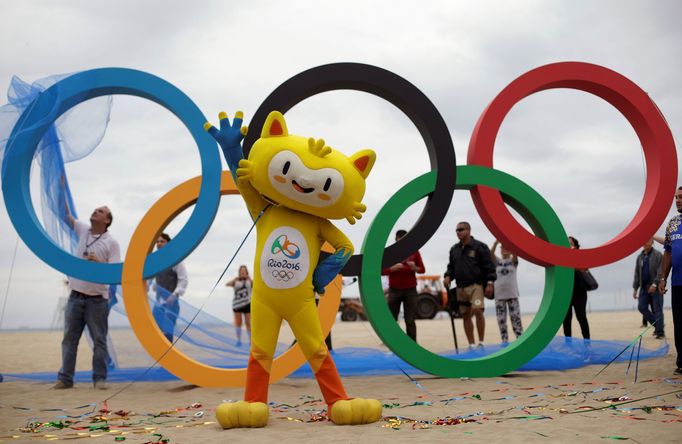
pixel 140 314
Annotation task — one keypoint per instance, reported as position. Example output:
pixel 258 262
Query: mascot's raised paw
pixel 242 414
pixel 355 411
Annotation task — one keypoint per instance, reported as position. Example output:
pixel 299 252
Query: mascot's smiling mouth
pixel 300 189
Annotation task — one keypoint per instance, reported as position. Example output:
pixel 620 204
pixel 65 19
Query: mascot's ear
pixel 363 161
pixel 274 126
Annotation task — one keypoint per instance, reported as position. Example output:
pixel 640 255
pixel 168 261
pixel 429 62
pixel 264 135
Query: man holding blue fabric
pixel 89 301
pixel 672 260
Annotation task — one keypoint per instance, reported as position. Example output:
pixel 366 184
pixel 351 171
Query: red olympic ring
pixel 647 121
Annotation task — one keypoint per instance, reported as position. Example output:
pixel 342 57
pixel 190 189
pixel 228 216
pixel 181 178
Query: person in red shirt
pixel 402 287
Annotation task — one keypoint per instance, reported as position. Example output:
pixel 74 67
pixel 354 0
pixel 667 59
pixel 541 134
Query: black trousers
pixel 579 304
pixel 407 297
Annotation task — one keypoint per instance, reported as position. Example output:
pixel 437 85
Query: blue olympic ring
pixel 42 113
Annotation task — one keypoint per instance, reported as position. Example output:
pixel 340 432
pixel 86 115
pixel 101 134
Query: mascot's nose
pixel 305 182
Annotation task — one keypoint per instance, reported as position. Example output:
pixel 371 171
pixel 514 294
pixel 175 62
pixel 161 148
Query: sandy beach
pixel 547 406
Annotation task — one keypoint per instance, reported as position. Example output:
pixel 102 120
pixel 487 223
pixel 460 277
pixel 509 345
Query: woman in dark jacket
pixel 578 300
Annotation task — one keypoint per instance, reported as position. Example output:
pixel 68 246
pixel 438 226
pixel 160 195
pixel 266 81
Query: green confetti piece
pixel 427 403
pixel 120 438
pixel 647 409
pixel 391 406
pixel 532 417
pixel 477 396
pixel 616 438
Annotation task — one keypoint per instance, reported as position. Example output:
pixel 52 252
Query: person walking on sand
pixel 473 271
pixel 672 261
pixel 578 300
pixel 241 303
pixel 170 285
pixel 402 287
pixel 506 291
pixel 645 288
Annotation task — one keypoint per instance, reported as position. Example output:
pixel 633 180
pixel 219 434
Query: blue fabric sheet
pixel 561 354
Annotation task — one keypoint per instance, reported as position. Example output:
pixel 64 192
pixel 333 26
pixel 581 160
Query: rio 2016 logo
pixel 285 263
pixel 491 191
pixel 289 249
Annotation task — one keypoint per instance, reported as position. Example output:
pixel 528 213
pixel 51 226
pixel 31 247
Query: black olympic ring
pixel 408 99
pixel 282 275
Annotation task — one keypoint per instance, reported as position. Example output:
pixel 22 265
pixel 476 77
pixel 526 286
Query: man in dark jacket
pixel 472 269
pixel 645 288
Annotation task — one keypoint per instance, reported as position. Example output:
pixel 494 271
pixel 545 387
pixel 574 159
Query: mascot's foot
pixel 241 414
pixel 355 411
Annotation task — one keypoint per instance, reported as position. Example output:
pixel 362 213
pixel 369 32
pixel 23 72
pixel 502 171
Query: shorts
pixel 244 309
pixel 470 298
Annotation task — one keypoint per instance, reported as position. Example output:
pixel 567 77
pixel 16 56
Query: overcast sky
pixel 573 148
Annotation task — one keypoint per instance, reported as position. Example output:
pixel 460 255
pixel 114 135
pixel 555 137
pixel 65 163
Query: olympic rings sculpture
pixel 490 190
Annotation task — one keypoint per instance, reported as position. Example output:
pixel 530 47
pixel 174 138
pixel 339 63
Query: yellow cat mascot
pixel 295 185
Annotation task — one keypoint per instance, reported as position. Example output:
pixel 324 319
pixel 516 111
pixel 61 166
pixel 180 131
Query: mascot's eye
pixel 327 184
pixel 286 167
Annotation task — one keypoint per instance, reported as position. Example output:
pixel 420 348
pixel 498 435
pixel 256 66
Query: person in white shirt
pixel 88 303
pixel 241 303
pixel 506 291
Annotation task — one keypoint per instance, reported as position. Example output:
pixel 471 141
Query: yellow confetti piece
pixel 288 418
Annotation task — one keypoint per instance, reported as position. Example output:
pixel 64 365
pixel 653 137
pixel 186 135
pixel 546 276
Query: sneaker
pixel 678 371
pixel 661 336
pixel 60 385
pixel 481 345
pixel 100 385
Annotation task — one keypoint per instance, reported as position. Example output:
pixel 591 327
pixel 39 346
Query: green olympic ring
pixel 558 280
